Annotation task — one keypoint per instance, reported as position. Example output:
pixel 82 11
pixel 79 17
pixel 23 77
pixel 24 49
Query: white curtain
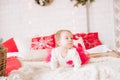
pixel 116 7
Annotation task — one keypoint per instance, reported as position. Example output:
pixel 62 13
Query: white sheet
pixel 104 68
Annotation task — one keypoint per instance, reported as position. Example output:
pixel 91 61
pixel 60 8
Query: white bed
pixel 102 68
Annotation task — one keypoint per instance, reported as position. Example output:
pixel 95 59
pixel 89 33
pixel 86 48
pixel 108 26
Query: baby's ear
pixel 57 43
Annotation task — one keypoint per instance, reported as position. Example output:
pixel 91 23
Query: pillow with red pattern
pixel 11 45
pixel 35 55
pixel 78 35
pixel 91 40
pixel 12 64
pixel 82 54
pixel 79 41
pixel 45 42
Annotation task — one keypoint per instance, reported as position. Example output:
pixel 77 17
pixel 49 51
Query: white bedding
pixel 104 68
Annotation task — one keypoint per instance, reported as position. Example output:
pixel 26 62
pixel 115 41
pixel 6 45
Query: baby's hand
pixel 60 69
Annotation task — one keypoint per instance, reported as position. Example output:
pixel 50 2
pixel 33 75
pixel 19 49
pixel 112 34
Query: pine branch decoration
pixel 43 2
pixel 82 2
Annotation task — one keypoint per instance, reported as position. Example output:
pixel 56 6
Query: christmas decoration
pixel 43 2
pixel 82 2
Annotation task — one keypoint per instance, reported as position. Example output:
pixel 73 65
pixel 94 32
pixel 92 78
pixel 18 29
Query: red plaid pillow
pixel 45 42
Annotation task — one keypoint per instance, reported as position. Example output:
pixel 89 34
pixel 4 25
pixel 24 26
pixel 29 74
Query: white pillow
pixel 25 51
pixel 23 43
pixel 18 54
pixel 99 49
pixel 35 55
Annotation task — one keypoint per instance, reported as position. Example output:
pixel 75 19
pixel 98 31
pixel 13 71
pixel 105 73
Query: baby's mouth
pixel 70 43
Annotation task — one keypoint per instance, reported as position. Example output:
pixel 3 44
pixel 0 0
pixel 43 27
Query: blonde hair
pixel 58 35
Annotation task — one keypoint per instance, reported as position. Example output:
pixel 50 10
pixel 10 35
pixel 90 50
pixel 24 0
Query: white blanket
pixel 104 68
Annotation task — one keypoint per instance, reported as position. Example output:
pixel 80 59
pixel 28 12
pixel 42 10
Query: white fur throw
pixel 104 68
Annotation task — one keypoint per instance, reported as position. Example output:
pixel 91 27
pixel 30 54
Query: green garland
pixel 82 2
pixel 42 2
pixel 45 2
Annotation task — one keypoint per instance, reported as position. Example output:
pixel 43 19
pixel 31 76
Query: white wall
pixel 20 18
pixel 102 20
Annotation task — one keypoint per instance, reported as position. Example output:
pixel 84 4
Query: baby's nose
pixel 70 40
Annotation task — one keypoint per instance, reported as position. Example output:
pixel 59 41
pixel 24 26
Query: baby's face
pixel 66 40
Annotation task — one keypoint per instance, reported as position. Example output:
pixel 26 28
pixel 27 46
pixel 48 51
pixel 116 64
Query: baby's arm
pixel 76 60
pixel 54 62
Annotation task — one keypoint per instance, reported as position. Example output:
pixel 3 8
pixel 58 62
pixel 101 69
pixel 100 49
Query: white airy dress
pixel 57 59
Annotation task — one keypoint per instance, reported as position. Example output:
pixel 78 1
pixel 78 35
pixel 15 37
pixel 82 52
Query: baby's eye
pixel 71 38
pixel 66 38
